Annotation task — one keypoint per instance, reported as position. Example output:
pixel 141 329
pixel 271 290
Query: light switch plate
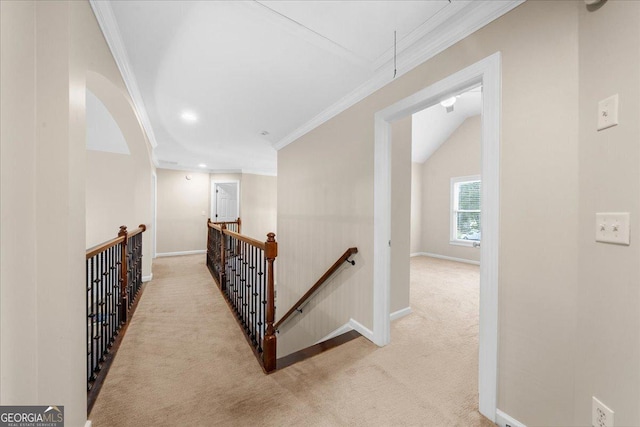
pixel 608 112
pixel 613 227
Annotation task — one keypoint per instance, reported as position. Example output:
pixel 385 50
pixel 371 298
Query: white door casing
pixel 487 73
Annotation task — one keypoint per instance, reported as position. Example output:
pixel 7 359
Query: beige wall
pixel 607 354
pixel 18 180
pixel 183 209
pixel 326 204
pixel 181 224
pixel 42 318
pixel 258 205
pixel 458 156
pixel 118 189
pixel 50 52
pixel 400 213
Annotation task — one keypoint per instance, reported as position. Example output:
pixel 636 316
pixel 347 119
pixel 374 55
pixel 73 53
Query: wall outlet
pixel 601 416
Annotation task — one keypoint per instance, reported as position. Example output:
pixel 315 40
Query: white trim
pixel 465 243
pixel 488 73
pixel 87 424
pixel 400 313
pixel 362 330
pixel 341 330
pixel 463 23
pixel 109 26
pixel 448 258
pixel 504 420
pixel 147 278
pixel 214 199
pixel 154 228
pixel 165 254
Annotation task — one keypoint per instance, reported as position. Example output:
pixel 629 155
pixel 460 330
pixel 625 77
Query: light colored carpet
pixel 184 362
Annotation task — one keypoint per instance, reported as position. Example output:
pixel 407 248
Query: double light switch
pixel 612 227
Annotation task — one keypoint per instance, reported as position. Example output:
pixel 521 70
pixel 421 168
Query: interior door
pixel 226 202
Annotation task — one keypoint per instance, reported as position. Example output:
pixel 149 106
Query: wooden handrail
pixel 345 256
pixel 243 238
pixel 91 252
pixel 141 228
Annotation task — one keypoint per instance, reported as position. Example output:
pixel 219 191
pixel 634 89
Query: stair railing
pixel 243 269
pixel 113 282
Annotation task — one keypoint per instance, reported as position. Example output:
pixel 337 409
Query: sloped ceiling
pixel 432 127
pixel 254 76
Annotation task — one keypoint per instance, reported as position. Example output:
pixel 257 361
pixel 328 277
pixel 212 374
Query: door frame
pixel 154 194
pixel 214 183
pixel 487 73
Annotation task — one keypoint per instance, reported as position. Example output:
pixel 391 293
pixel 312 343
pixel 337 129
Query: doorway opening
pixel 225 201
pixel 487 73
pixel 445 241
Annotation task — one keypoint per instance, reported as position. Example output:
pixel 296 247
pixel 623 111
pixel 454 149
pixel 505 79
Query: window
pixel 465 210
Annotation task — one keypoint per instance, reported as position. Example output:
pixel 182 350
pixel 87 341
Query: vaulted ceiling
pixel 221 85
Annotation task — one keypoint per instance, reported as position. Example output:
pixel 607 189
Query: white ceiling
pixel 431 127
pixel 277 66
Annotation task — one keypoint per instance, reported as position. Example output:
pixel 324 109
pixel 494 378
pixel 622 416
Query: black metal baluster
pixel 94 291
pixel 99 305
pixel 88 337
pixel 250 284
pixel 107 300
pixel 243 281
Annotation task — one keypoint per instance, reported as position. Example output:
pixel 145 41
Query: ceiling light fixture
pixel 264 133
pixel 448 103
pixel 202 165
pixel 188 116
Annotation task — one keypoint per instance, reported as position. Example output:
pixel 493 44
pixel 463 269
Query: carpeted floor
pixel 184 362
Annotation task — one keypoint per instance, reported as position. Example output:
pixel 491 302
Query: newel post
pixel 222 271
pixel 269 344
pixel 124 270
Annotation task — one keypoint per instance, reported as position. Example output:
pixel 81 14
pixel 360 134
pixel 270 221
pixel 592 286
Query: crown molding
pixel 250 171
pixel 109 26
pixel 468 18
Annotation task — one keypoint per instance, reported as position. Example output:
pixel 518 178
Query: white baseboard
pixel 164 254
pixel 357 326
pixel 341 330
pixel 504 420
pixel 147 278
pixel 362 330
pixel 448 258
pixel 87 424
pixel 400 313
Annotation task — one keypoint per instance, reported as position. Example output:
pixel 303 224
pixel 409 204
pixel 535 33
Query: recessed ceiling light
pixel 189 116
pixel 202 165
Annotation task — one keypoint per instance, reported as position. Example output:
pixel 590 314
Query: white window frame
pixel 453 235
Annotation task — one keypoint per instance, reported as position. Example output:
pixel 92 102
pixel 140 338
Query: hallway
pixel 184 361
